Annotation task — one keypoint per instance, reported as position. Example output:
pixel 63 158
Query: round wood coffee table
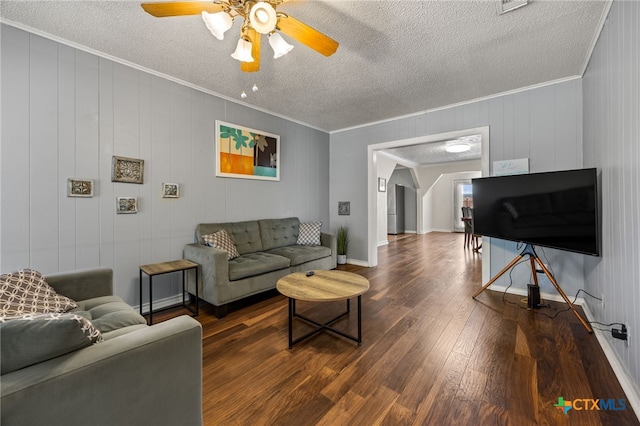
pixel 323 286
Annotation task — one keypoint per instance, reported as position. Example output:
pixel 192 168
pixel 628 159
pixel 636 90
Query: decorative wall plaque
pixel 344 208
pixel 79 187
pixel 129 170
pixel 170 190
pixel 126 205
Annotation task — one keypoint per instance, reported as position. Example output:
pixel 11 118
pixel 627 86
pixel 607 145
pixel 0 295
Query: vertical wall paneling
pixel 87 159
pixel 611 109
pixel 66 113
pixel 66 158
pixel 126 143
pixel 43 153
pixel 15 230
pixel 107 190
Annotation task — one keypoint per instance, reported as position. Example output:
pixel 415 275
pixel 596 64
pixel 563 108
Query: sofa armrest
pixel 331 241
pixel 83 284
pixel 148 376
pixel 212 273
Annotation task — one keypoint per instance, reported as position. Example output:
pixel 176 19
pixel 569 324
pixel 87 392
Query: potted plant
pixel 342 237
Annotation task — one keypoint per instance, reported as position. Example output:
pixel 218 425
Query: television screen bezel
pixel 598 212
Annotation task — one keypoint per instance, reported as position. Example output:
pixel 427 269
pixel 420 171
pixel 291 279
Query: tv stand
pixel 530 251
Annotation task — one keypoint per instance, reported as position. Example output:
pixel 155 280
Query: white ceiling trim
pixel 471 101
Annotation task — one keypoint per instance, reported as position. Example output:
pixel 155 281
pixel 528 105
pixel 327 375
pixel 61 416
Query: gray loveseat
pixel 268 251
pixel 138 374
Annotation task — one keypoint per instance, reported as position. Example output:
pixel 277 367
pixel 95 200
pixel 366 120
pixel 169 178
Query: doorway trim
pixel 372 174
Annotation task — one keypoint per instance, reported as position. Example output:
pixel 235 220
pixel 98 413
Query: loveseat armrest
pixel 83 284
pixel 212 273
pixel 149 376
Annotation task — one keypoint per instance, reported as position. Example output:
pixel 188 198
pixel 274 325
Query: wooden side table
pixel 154 269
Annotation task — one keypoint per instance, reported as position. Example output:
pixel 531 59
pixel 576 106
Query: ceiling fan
pixel 260 17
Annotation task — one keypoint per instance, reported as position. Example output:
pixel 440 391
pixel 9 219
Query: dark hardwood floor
pixel 431 355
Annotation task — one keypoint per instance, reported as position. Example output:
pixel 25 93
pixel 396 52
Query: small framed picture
pixel 128 170
pixel 344 208
pixel 126 205
pixel 382 185
pixel 170 190
pixel 79 187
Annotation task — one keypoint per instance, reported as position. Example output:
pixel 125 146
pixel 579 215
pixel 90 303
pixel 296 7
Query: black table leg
pixel 359 320
pixel 292 311
pixel 150 300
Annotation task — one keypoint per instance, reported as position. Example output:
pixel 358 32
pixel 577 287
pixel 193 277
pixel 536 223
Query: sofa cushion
pixel 109 313
pixel 26 291
pixel 278 232
pixel 34 338
pixel 222 240
pixel 301 254
pixel 249 265
pixel 245 235
pixel 309 233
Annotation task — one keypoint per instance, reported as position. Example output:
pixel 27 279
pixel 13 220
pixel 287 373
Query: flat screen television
pixel 553 209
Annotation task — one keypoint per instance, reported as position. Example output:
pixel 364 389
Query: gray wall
pixel 66 112
pixel 403 177
pixel 612 143
pixel 543 124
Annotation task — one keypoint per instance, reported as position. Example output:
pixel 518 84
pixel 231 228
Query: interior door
pixel 461 189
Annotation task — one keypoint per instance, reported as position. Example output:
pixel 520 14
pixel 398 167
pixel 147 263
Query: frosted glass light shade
pixel 457 147
pixel 263 17
pixel 279 46
pixel 243 51
pixel 217 23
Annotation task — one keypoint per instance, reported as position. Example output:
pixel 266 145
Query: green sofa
pixel 268 250
pixel 136 374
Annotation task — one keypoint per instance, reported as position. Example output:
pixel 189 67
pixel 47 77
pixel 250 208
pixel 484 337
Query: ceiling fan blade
pixel 306 35
pixel 254 66
pixel 180 8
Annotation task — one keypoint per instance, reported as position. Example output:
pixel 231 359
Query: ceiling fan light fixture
pixel 243 51
pixel 279 46
pixel 263 17
pixel 457 146
pixel 218 23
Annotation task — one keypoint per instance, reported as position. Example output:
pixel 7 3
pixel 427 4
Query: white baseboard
pixel 632 392
pixel 161 303
pixel 358 262
pixel 383 243
pixel 626 382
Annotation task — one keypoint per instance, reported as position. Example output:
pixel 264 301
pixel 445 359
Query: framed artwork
pixel 126 205
pixel 128 170
pixel 170 190
pixel 344 208
pixel 382 185
pixel 79 187
pixel 246 153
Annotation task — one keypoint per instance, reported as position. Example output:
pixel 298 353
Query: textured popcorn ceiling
pixel 395 57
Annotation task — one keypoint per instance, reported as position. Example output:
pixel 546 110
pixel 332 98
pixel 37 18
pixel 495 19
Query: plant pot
pixel 342 259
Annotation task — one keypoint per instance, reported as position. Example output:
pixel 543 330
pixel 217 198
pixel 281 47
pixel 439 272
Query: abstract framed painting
pixel 246 153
